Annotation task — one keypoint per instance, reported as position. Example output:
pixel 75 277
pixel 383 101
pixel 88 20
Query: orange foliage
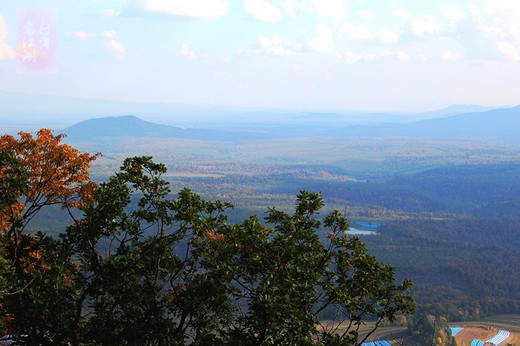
pixel 34 262
pixel 9 213
pixel 69 278
pixel 31 256
pixel 212 235
pixel 25 254
pixel 57 173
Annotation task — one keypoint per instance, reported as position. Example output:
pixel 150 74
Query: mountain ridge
pixel 500 124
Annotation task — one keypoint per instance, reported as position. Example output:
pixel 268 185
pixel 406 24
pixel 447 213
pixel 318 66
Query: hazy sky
pixel 391 55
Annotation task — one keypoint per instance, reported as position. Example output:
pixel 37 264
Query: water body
pixel 355 231
pixel 364 228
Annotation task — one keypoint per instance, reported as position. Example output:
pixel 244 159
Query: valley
pixel 446 209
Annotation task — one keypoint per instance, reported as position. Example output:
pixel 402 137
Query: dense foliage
pixel 137 266
pixel 463 267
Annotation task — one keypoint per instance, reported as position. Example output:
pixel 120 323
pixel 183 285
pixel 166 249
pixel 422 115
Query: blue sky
pixel 392 55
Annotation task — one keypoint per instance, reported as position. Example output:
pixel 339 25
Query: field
pixel 483 330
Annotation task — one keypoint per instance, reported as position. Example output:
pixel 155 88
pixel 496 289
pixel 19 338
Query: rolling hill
pixel 121 126
pixel 132 126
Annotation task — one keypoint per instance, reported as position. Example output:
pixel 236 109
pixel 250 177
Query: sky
pixel 363 55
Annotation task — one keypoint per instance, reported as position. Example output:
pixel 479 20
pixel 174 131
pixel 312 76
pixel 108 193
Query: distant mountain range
pixel 457 109
pixel 219 123
pixel 499 124
pixel 21 111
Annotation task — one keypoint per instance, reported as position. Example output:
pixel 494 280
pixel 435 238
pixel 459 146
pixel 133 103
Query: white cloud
pixel 453 13
pixel 353 58
pixel 425 26
pixel 508 50
pixel 499 18
pixel 356 32
pixel 110 34
pixel 263 10
pixel 402 56
pixel 322 40
pixel 116 48
pixel 399 55
pixel 402 13
pixel 6 52
pixel 108 12
pixel 290 7
pixel 113 46
pixel 335 9
pixel 294 8
pixel 273 46
pixel 186 52
pixel 365 14
pixel 450 56
pixel 205 9
pixel 80 35
pixel 388 36
pixel 509 7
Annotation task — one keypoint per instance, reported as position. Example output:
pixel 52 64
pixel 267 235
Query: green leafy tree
pixel 128 259
pixel 283 277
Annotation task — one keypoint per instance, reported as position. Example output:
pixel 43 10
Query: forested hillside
pixel 463 267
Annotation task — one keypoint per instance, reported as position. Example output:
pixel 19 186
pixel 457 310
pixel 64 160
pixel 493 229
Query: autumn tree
pixel 36 172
